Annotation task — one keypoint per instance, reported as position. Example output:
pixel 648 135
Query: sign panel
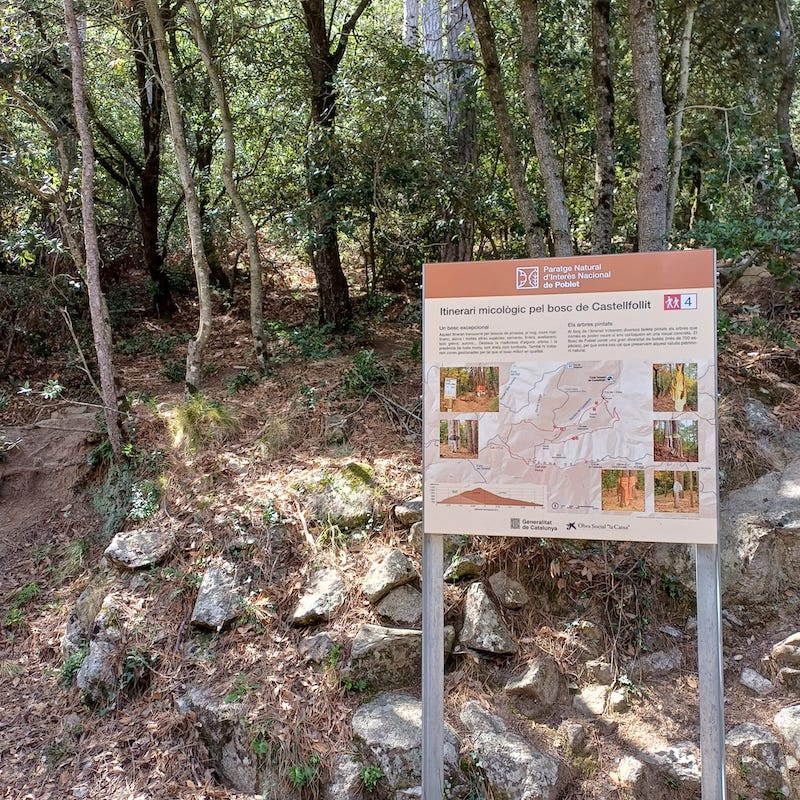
pixel 572 397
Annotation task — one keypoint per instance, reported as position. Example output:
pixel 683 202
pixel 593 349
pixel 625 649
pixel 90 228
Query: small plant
pixel 301 775
pixel 672 783
pixel 72 663
pixel 270 514
pixel 200 420
pixel 365 374
pixel 260 743
pixel 241 686
pixel 672 587
pixel 7 445
pixel 358 685
pixel 334 656
pixel 137 669
pixel 144 500
pixel 241 380
pixel 52 389
pixel 174 370
pixel 4 401
pixel 24 595
pixel 370 775
pixel 774 793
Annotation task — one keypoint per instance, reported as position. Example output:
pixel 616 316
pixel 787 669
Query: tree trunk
pixel 461 127
pixel 411 23
pixel 433 100
pixel 194 356
pixel 245 219
pixel 651 197
pixel 505 129
pixel 602 80
pixel 677 118
pixel 335 307
pixel 101 329
pixel 545 153
pixel 786 51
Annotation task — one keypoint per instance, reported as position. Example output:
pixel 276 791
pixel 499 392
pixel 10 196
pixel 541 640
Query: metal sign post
pixel 432 667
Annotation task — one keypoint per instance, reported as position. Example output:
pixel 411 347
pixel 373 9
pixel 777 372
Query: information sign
pixel 572 397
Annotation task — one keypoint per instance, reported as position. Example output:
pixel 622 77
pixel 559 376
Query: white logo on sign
pixel 527 277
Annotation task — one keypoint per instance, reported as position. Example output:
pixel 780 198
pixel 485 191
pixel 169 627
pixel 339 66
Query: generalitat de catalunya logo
pixel 527 277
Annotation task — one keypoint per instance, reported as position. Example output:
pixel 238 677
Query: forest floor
pixel 52 539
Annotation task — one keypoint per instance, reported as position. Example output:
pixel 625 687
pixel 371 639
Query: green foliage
pixel 145 497
pixel 21 598
pixel 137 670
pixel 308 342
pixel 72 664
pixel 672 587
pixel 174 370
pixel 370 775
pixel 242 685
pixel 356 685
pixel 365 374
pixel 199 421
pixel 304 774
pixel 147 343
pixel 241 380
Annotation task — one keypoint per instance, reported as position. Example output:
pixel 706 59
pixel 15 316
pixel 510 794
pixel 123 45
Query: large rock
pixel 388 730
pixel 402 607
pixel 410 512
pixel 510 593
pixel 514 769
pixel 218 599
pixel 538 689
pixel 787 651
pixel 345 499
pixel 98 675
pixel 393 570
pixel 483 628
pixel 756 762
pixel 787 722
pixel 388 657
pixel 140 548
pixel 324 593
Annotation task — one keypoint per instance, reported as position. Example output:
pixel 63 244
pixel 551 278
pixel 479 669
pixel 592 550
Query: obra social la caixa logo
pixel 527 277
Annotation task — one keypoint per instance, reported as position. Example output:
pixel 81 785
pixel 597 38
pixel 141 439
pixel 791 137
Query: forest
pixel 200 151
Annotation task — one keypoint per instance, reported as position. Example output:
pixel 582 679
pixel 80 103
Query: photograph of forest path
pixel 458 438
pixel 623 490
pixel 469 389
pixel 676 492
pixel 675 387
pixel 675 440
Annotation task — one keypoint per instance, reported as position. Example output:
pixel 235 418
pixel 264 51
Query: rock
pixel 756 682
pixel 466 565
pixel 591 700
pixel 588 637
pixel 787 722
pixel 681 761
pixel 660 664
pixel 513 768
pixel 343 500
pixel 97 676
pixel 323 595
pixel 639 779
pixel 336 428
pixel 388 657
pixel 316 648
pixel 618 701
pixel 789 677
pixel 409 513
pixel 483 627
pixel 787 651
pixel 509 593
pixel 574 738
pixel 402 607
pixel 140 548
pixel 756 762
pixel 82 617
pixel 598 670
pixel 218 599
pixel 394 569
pixel 345 781
pixel 388 730
pixel 537 690
pixel 227 736
pixel 450 543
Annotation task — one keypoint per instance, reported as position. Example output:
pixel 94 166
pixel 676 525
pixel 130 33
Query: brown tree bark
pixel 651 197
pixel 335 307
pixel 245 218
pixel 786 49
pixel 602 81
pixel 101 329
pixel 194 356
pixel 505 129
pixel 560 229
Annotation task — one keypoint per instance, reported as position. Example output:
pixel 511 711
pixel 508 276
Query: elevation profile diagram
pixel 483 497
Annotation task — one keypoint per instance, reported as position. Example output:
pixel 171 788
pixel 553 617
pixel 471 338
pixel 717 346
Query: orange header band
pixel 684 269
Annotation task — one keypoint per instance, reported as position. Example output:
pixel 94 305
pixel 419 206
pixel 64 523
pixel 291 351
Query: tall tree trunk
pixel 411 23
pixel 537 116
pixel 651 197
pixel 432 49
pixel 786 50
pixel 245 218
pixel 677 117
pixel 461 127
pixel 335 307
pixel 101 329
pixel 604 174
pixel 505 129
pixel 194 355
pixel 151 103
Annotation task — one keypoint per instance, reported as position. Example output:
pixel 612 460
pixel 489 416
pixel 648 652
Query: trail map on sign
pixel 569 418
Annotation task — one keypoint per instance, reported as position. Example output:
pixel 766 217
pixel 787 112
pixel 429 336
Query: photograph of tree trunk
pixel 623 490
pixel 458 438
pixel 675 387
pixel 469 389
pixel 676 491
pixel 674 440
